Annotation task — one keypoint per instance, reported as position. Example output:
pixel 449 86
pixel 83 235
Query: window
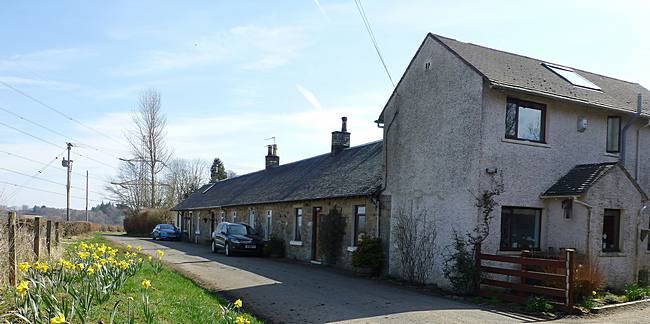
pixel 359 223
pixel 520 227
pixel 611 227
pixel 613 134
pixel 251 217
pixel 297 229
pixel 571 76
pixel 525 120
pixel 234 216
pixel 269 222
pixel 222 216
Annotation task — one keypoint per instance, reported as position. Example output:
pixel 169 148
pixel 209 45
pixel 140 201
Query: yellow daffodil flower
pixel 58 319
pixel 22 287
pixel 241 320
pixel 149 258
pixel 160 253
pixel 23 266
pixel 138 248
pixel 90 271
pixel 238 303
pixel 128 247
pixel 80 266
pixel 145 284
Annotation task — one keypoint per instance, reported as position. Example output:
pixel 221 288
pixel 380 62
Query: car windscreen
pixel 166 227
pixel 240 230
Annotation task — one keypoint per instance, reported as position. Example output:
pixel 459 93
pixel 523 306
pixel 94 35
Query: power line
pixel 38 101
pixel 35 177
pixel 28 134
pixel 366 23
pixel 43 164
pixel 13 194
pixel 77 143
pixel 44 190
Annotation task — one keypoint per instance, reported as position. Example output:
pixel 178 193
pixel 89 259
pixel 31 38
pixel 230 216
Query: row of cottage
pixel 566 148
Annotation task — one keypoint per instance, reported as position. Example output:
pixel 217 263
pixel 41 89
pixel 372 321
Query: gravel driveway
pixel 290 292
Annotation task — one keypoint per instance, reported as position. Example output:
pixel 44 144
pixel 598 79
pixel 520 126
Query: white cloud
pixel 273 47
pixel 311 98
pixel 49 59
pixel 51 84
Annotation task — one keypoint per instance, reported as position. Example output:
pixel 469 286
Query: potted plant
pixel 274 247
pixel 368 259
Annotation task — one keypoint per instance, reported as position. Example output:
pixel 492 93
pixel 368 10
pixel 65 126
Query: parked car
pixel 166 232
pixel 236 238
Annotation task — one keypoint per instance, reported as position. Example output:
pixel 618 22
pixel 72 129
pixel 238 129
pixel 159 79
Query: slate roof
pixel 356 171
pixel 521 73
pixel 579 179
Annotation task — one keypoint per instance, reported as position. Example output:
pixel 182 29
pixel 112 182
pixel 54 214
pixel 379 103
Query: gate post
pixel 477 265
pixel 570 274
pixel 48 237
pixel 37 237
pixel 12 248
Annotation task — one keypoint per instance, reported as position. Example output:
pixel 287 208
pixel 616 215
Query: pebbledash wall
pixel 283 221
pixel 444 128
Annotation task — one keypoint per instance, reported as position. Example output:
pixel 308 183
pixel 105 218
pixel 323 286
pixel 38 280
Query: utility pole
pixel 86 195
pixel 68 164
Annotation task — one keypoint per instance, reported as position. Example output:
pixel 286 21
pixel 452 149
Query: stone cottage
pixel 287 201
pixel 568 151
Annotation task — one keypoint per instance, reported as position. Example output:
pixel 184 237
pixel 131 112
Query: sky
pixel 232 74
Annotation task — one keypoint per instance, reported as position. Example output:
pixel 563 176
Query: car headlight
pixel 235 241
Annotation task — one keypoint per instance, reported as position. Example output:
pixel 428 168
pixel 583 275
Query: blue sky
pixel 234 73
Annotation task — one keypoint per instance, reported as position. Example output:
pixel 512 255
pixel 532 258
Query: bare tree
pixel 130 187
pixel 415 241
pixel 230 174
pixel 183 177
pixel 148 140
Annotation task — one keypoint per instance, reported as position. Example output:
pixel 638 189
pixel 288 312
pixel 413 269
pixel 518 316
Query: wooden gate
pixel 551 278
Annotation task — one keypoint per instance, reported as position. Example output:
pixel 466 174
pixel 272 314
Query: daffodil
pixel 149 258
pixel 23 266
pixel 128 247
pixel 80 266
pixel 138 248
pixel 160 253
pixel 58 319
pixel 90 271
pixel 22 287
pixel 238 303
pixel 145 284
pixel 241 320
pixel 593 293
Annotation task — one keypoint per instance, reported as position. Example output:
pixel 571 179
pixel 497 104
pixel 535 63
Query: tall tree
pixel 148 140
pixel 217 171
pixel 184 177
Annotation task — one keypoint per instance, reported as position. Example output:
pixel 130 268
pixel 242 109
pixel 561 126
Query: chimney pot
pixel 341 139
pixel 272 158
pixel 344 124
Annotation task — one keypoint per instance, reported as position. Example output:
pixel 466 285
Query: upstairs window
pixel 525 120
pixel 613 134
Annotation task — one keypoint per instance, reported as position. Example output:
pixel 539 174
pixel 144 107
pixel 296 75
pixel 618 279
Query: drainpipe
pixel 636 242
pixel 624 130
pixel 589 208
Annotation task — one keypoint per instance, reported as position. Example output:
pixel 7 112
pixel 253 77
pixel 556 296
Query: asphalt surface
pixel 290 292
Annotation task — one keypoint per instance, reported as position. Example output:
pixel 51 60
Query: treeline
pixel 104 213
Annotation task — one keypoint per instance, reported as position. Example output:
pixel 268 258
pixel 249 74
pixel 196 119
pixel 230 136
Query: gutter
pixel 624 130
pixel 589 208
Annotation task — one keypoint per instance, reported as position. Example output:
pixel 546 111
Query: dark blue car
pixel 166 232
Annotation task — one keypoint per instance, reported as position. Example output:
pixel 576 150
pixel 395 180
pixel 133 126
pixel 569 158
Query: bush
pixel 538 305
pixel 369 254
pixel 144 221
pixel 459 265
pixel 331 236
pixel 274 247
pixel 635 292
pixel 78 228
pixel 588 278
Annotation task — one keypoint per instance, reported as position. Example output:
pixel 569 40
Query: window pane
pixel 520 228
pixel 298 227
pixel 613 133
pixel 511 120
pixel 529 124
pixel 611 225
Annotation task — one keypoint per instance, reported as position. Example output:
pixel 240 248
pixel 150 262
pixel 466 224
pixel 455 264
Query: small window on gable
pixel 571 76
pixel 613 134
pixel 525 120
pixel 611 230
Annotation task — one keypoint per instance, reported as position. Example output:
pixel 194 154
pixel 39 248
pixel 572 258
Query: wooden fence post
pixel 48 237
pixel 37 237
pixel 12 248
pixel 570 274
pixel 56 233
pixel 477 265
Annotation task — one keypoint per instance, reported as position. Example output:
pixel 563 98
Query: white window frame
pixel 251 217
pixel 234 216
pixel 222 216
pixel 355 222
pixel 297 226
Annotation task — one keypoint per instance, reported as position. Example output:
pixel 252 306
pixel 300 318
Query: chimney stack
pixel 341 139
pixel 272 158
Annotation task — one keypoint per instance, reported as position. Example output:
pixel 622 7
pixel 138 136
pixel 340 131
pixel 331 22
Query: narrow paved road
pixel 288 292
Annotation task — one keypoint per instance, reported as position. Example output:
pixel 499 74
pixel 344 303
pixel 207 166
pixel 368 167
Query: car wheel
pixel 153 237
pixel 228 252
pixel 213 247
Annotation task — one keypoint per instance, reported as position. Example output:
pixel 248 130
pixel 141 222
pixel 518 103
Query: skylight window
pixel 572 76
pixel 208 188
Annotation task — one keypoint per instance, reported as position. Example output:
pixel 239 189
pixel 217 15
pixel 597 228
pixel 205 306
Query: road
pixel 290 292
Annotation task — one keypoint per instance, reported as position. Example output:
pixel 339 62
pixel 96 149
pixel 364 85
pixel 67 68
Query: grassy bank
pixel 172 298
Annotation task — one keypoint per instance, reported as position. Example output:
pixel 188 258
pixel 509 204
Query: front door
pixel 315 246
